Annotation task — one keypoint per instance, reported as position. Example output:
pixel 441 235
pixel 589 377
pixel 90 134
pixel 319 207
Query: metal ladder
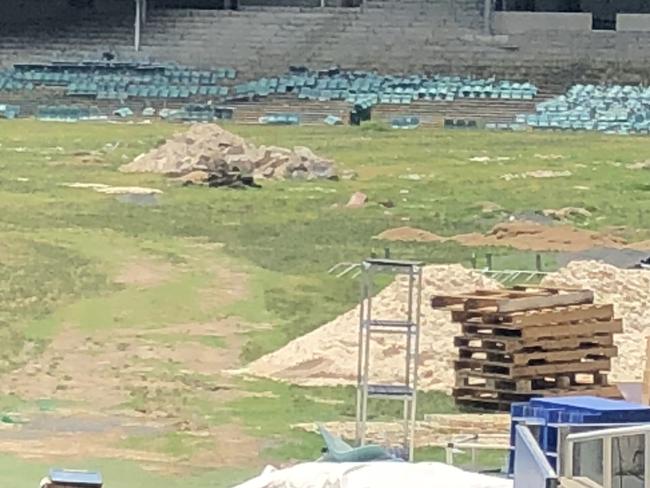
pixel 409 327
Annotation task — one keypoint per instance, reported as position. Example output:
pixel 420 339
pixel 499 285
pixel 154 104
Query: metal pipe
pixel 360 358
pixel 138 22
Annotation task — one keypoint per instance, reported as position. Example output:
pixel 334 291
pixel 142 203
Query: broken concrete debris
pixel 206 154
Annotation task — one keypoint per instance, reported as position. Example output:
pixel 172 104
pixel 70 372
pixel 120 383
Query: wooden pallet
pixel 512 345
pixel 530 341
pixel 588 352
pixel 501 400
pixel 527 385
pixel 513 372
pixel 579 329
pixel 517 299
pixel 541 317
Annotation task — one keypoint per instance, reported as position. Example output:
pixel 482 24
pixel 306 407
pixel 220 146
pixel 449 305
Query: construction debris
pixel 357 200
pixel 528 341
pixel 213 150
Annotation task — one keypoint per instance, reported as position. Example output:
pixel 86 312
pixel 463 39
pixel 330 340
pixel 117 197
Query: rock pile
pixel 207 149
pixel 328 355
pixel 629 291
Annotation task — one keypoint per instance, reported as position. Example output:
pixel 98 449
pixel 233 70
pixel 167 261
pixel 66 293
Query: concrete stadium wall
pixel 522 22
pixel 633 22
pixel 30 11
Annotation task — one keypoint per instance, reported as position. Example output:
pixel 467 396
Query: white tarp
pixel 373 475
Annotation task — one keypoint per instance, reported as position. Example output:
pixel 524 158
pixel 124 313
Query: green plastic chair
pixel 339 451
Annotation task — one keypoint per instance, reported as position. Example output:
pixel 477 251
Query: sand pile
pixel 409 234
pixel 629 291
pixel 528 236
pixel 328 355
pixel 210 149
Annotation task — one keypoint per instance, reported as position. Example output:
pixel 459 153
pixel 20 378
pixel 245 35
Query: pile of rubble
pixel 208 154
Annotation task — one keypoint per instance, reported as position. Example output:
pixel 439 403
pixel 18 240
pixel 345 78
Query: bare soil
pixel 144 273
pixel 524 235
pixel 109 385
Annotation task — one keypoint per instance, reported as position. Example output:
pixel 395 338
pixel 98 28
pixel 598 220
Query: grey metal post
pixel 138 23
pixel 364 293
pixel 144 12
pixel 366 357
pixel 416 360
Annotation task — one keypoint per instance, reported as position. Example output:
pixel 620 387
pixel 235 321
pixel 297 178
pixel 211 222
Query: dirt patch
pixel 531 236
pixel 147 379
pixel 524 235
pixel 144 273
pixel 327 356
pixel 410 234
pixel 640 246
pixel 229 445
pixel 104 369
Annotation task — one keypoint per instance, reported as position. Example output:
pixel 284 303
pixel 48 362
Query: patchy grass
pixel 61 249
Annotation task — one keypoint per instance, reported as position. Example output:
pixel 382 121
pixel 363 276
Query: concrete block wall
pixel 391 36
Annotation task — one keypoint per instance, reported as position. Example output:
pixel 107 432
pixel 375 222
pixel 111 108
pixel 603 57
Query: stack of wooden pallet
pixel 525 342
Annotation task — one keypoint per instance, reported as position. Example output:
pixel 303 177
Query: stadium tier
pixel 484 60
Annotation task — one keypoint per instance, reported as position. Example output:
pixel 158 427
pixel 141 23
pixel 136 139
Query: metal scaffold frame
pixel 409 327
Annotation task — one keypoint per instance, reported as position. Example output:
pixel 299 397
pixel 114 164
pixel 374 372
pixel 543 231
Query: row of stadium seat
pixel 118 82
pixel 355 86
pixel 617 109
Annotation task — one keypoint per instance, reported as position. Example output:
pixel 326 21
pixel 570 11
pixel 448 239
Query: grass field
pixel 245 270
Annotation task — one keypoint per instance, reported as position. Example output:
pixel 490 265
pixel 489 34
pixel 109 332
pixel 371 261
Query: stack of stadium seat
pixel 9 111
pixel 118 81
pixel 363 87
pixel 280 119
pixel 613 109
pixel 65 113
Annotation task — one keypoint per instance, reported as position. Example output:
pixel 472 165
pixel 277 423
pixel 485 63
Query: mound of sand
pixel 531 236
pixel 328 355
pixel 209 148
pixel 409 234
pixel 629 291
pixel 528 236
